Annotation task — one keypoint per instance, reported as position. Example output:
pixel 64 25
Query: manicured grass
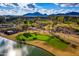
pixel 53 41
pixel 32 36
pixel 21 37
pixel 57 43
pixel 43 37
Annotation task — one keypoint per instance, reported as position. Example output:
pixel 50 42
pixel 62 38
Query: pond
pixel 12 48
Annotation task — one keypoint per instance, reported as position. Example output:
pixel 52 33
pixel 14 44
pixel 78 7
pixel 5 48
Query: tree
pixel 25 22
pixel 60 18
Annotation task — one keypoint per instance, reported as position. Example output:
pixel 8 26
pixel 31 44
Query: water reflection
pixel 11 48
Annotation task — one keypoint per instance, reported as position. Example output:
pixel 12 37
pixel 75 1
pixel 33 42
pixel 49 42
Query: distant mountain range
pixel 35 14
pixel 44 15
pixel 70 13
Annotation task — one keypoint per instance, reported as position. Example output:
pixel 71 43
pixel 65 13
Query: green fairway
pixel 43 37
pixel 57 43
pixel 53 41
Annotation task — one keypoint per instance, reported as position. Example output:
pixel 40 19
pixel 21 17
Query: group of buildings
pixel 7 26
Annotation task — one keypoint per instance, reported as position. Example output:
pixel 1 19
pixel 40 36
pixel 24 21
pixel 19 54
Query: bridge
pixel 44 46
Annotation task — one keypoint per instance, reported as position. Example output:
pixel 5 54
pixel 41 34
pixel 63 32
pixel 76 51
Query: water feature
pixel 12 48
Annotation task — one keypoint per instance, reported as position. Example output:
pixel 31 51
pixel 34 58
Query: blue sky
pixel 58 6
pixel 44 8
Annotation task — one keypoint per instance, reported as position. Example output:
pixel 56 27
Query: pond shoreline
pixel 28 43
pixel 25 43
pixel 50 49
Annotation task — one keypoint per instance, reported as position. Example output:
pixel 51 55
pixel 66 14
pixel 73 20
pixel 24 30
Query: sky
pixel 43 8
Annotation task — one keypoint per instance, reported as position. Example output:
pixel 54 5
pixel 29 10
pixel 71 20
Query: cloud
pixel 24 8
pixel 15 4
pixel 16 8
pixel 31 6
pixel 68 4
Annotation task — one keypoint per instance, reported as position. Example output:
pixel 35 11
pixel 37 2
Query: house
pixel 7 26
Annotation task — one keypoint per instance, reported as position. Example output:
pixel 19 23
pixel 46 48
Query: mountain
pixel 67 14
pixel 72 13
pixel 35 14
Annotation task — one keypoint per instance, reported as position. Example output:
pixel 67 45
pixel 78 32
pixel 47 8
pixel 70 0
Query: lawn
pixel 53 41
pixel 42 37
pixel 57 43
